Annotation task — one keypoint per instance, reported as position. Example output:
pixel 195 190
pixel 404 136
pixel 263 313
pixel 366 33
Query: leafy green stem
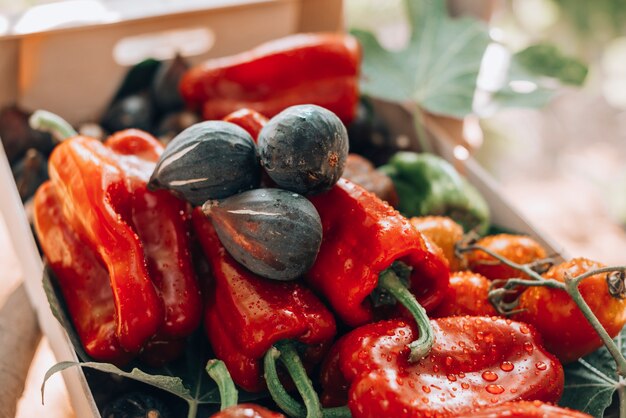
pixel 571 285
pixel 193 410
pixel 621 391
pixel 389 281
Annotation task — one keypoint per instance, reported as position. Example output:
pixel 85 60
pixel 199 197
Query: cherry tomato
pixel 517 248
pixel 443 232
pixel 247 411
pixel 565 330
pixel 467 295
pixel 524 409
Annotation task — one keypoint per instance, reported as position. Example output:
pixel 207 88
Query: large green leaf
pixel 438 68
pixel 590 383
pixel 547 60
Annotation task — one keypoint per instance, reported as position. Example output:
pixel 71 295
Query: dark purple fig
pixel 209 160
pixel 164 87
pixel 134 111
pixel 274 233
pixel 17 135
pixel 304 148
pixel 30 172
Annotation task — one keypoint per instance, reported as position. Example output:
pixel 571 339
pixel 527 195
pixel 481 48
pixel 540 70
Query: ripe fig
pixel 274 233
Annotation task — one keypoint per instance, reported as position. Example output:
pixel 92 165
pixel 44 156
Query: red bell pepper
pixel 475 362
pixel 83 281
pixel 523 409
pixel 362 237
pixel 316 68
pixel 246 314
pixel 140 237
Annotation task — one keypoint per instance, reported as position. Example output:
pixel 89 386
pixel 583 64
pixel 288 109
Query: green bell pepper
pixel 429 185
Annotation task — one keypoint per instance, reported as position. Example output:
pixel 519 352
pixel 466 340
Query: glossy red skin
pixel 565 330
pixel 246 410
pixel 517 248
pixel 246 314
pixel 82 280
pixel 162 222
pixel 524 409
pixel 373 360
pixel 467 295
pixel 320 68
pixel 249 120
pixel 362 236
pixel 140 237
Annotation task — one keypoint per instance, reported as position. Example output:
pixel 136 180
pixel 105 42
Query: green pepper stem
pixel 420 348
pixel 45 121
pixel 291 360
pixel 288 404
pixel 228 392
pixel 286 352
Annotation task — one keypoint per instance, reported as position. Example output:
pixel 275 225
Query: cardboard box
pixel 73 72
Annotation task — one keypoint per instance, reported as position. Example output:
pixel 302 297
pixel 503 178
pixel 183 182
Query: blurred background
pixel 561 164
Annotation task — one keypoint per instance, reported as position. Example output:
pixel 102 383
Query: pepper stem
pixel 389 281
pixel 228 392
pixel 289 405
pixel 45 121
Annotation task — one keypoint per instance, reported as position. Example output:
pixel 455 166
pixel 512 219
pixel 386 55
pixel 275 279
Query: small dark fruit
pixel 274 233
pixel 208 160
pixel 304 148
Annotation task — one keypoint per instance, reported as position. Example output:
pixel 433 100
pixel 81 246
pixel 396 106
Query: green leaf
pixel 546 60
pixel 590 383
pixel 438 68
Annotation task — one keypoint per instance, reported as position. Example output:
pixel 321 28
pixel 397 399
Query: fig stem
pixel 228 392
pixel 45 121
pixel 208 206
pixel 389 281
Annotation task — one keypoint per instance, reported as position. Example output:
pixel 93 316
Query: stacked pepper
pixel 321 69
pixel 131 244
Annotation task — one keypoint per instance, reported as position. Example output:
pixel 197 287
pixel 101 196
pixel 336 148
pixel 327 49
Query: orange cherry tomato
pixel 467 295
pixel 517 248
pixel 443 232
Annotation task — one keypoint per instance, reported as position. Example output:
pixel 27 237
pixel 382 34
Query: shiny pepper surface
pixel 83 282
pixel 475 362
pixel 247 411
pixel 314 68
pixel 524 409
pixel 140 237
pixel 363 236
pixel 246 314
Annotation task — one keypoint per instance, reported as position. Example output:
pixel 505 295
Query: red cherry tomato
pixel 565 331
pixel 467 295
